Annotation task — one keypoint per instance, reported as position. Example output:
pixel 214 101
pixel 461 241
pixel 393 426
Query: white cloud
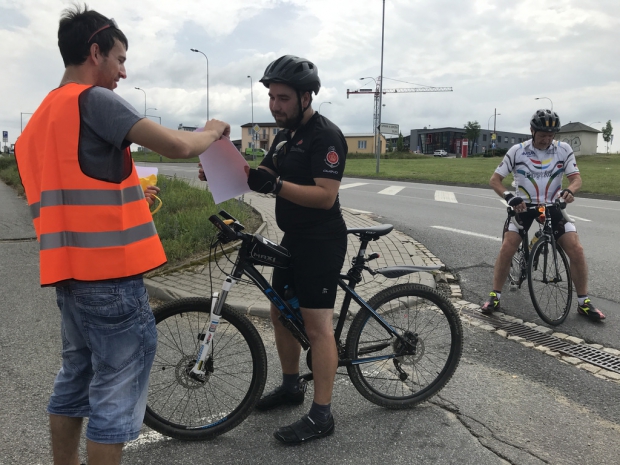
pixel 494 53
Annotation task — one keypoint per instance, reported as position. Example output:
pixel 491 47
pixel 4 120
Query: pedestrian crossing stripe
pixel 392 190
pixel 355 184
pixel 444 196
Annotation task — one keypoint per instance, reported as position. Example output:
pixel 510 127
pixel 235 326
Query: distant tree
pixel 400 144
pixel 472 132
pixel 390 146
pixel 607 134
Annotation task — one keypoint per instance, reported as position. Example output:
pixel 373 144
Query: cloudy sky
pixel 493 53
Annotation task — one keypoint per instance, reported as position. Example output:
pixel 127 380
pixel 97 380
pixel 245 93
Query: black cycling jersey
pixel 318 149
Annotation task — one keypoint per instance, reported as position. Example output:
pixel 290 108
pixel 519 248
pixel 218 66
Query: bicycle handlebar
pixel 558 203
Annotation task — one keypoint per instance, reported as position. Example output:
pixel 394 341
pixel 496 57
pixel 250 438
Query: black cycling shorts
pixel 314 271
pixel 559 224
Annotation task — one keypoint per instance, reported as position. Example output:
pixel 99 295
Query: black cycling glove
pixel 261 181
pixel 512 200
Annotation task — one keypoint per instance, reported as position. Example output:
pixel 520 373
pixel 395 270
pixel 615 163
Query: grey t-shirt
pixel 105 120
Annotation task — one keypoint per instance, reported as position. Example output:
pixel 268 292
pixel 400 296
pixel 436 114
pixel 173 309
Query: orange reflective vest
pixel 88 230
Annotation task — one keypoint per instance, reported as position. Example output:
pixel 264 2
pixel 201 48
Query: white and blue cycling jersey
pixel 538 173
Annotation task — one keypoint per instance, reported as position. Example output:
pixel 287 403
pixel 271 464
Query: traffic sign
pixel 387 128
pixel 256 128
pixel 5 136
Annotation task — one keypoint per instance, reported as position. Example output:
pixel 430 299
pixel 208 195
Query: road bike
pixel 401 348
pixel 545 266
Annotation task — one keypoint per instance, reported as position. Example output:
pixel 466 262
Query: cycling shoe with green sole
pixel 589 310
pixel 491 305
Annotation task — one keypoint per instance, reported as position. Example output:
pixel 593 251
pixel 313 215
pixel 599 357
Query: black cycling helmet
pixel 545 121
pixel 296 72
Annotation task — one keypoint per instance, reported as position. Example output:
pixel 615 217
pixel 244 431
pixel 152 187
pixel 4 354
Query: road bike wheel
pixel 551 293
pixel 397 378
pixel 184 408
pixel 516 267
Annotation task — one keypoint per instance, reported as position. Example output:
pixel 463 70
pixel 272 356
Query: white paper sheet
pixel 145 171
pixel 224 167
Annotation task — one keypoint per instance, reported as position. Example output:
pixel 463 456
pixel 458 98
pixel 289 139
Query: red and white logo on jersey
pixel 332 159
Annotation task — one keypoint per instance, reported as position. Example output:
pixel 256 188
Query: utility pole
pixel 380 83
pixel 494 133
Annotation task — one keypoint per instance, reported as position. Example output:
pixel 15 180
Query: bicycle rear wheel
pixel 395 377
pixel 551 291
pixel 516 267
pixel 184 408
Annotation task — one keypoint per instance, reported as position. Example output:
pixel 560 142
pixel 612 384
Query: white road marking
pixel 147 437
pixel 444 196
pixel 580 219
pixel 468 233
pixel 355 184
pixel 392 190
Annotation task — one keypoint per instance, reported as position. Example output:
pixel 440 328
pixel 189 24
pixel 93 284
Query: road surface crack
pixel 475 426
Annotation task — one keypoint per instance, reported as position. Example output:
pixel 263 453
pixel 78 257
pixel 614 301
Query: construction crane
pixel 377 91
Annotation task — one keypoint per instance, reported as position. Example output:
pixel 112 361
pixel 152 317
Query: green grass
pixel 154 157
pixel 183 222
pixel 596 171
pixel 9 173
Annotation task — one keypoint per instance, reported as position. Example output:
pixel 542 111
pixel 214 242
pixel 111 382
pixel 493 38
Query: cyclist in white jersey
pixel 538 166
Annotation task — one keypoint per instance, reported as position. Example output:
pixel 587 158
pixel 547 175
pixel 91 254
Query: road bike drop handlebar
pixel 559 203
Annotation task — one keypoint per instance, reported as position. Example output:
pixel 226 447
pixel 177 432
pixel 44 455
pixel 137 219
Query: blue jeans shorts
pixel 108 346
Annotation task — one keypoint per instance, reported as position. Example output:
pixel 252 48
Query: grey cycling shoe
pixel 304 430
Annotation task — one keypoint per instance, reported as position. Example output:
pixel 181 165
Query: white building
pixel 583 139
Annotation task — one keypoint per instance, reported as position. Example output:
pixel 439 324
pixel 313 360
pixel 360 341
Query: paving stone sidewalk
pixel 395 248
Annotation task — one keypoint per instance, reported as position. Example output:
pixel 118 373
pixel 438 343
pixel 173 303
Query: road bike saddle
pixel 373 233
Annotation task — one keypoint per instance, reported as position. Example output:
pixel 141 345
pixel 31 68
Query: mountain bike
pixel 545 266
pixel 210 368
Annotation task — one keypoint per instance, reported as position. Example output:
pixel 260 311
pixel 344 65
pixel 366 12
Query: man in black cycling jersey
pixel 538 166
pixel 303 169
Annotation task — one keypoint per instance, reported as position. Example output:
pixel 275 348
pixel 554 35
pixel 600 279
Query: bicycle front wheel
pixel 184 408
pixel 551 288
pixel 396 375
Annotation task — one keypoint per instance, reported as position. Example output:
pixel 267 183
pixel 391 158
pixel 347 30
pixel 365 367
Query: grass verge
pixel 9 173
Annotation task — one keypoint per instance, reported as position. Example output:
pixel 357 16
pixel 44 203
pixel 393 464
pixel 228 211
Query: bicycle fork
pixel 198 371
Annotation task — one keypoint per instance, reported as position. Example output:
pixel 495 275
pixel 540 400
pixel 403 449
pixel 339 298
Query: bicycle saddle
pixel 373 233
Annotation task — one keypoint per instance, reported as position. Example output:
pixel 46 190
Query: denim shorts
pixel 108 346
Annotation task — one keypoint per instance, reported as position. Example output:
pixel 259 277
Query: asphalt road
pixel 462 226
pixel 505 404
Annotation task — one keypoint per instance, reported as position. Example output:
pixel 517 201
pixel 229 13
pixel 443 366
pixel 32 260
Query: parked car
pixel 256 152
pixel 440 153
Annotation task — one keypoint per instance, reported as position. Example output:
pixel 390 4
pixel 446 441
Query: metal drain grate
pixel 594 356
pixel 582 352
pixel 529 334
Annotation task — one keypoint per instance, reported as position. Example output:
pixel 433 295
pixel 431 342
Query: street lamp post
pixel 322 104
pixel 538 98
pixel 252 100
pixel 143 149
pixel 198 51
pixel 489 120
pixel 144 100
